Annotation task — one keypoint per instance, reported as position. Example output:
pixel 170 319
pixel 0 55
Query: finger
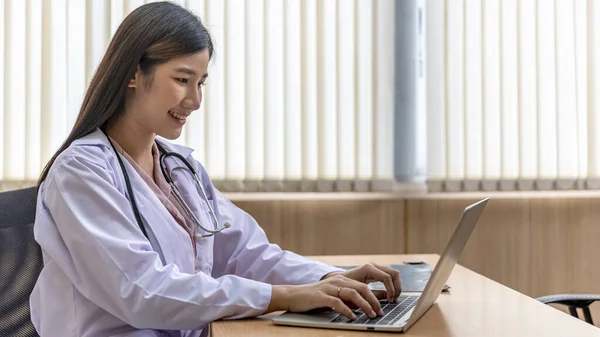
pixel 395 278
pixel 368 295
pixel 339 306
pixel 351 305
pixel 352 295
pixel 395 274
pixel 379 294
pixel 382 276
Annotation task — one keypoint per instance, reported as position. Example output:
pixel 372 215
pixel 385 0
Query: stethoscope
pixel 163 156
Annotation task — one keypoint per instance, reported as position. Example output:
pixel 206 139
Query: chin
pixel 170 135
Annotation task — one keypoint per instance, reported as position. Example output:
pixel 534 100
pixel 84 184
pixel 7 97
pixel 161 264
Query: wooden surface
pixel 475 306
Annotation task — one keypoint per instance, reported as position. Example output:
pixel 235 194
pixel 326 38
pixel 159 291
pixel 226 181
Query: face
pixel 162 103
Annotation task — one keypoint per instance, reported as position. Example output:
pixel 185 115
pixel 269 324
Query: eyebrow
pixel 188 71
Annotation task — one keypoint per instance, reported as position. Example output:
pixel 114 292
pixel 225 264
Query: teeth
pixel 176 115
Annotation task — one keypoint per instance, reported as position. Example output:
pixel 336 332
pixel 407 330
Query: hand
pixel 374 272
pixel 337 292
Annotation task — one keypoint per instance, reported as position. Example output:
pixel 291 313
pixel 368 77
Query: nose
pixel 193 99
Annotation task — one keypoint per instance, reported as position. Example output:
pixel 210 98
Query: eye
pixel 201 84
pixel 182 80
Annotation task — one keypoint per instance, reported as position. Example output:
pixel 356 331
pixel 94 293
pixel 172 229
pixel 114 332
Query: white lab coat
pixel 102 277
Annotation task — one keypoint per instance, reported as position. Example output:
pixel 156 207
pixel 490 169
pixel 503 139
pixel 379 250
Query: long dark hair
pixel 150 35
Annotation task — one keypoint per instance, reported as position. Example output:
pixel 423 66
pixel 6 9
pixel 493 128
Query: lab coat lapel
pixel 174 242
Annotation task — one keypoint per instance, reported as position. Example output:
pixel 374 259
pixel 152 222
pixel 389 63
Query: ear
pixel 136 79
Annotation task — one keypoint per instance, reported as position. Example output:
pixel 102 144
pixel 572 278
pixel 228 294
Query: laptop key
pixel 374 320
pixel 361 320
pixel 341 319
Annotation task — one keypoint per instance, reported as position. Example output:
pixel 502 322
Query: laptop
pixel 406 311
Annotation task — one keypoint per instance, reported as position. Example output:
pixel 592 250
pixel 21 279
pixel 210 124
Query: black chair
pixel 20 262
pixel 573 302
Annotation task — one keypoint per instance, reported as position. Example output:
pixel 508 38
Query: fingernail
pixel 380 312
pixel 373 314
pixel 353 317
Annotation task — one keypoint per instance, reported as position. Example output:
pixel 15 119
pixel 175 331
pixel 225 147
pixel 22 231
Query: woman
pixel 128 254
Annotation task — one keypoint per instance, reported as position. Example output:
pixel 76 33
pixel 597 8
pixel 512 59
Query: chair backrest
pixel 20 261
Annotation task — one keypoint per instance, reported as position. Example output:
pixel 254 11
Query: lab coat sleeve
pixel 244 249
pixel 110 261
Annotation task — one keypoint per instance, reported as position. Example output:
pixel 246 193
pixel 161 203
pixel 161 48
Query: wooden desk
pixel 475 306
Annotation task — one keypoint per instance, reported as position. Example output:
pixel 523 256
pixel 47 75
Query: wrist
pixel 279 298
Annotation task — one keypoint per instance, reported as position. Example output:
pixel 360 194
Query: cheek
pixel 171 96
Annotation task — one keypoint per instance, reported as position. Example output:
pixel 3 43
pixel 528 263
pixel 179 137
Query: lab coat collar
pixel 98 137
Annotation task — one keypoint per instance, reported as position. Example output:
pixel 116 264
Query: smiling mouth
pixel 177 115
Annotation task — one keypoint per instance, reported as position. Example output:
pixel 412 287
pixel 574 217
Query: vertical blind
pixel 300 95
pixel 513 94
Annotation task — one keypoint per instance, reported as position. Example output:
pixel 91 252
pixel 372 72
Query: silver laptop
pixel 402 314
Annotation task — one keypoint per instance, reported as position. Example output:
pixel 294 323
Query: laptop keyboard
pixel 392 312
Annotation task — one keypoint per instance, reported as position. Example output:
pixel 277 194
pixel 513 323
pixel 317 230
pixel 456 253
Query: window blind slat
pixel 436 90
pixel 327 72
pixel 14 79
pixel 346 96
pixel 546 72
pixel 581 61
pixel 54 76
pixel 274 81
pixel 528 107
pixel 235 81
pixel 509 62
pixel 255 97
pixel 292 95
pixel 33 105
pixel 310 136
pixel 196 128
pixel 76 71
pixel 491 90
pixel 455 74
pixel 384 115
pixel 473 116
pixel 215 93
pixel 97 33
pixel 364 75
pixel 594 89
pixel 566 91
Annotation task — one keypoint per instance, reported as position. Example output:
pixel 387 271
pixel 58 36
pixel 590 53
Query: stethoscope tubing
pixel 164 155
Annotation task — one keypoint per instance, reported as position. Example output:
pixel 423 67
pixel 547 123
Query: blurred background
pixel 362 126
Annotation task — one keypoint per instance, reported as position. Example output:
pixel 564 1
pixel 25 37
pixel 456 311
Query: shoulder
pixel 91 152
pixel 85 166
pixel 93 148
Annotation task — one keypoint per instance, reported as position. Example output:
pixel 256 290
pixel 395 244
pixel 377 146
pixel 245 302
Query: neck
pixel 132 139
